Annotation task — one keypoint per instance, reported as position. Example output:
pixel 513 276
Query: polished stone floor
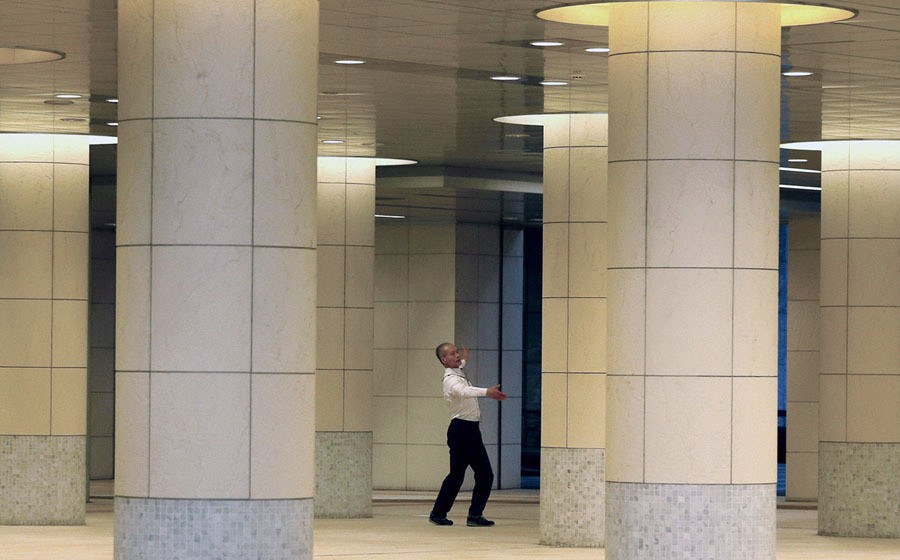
pixel 400 530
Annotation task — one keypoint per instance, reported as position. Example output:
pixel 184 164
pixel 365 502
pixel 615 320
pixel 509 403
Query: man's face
pixel 452 358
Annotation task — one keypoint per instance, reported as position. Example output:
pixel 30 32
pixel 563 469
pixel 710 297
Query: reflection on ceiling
pixel 425 90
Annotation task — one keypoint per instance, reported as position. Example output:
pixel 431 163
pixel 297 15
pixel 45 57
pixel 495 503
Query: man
pixel 464 439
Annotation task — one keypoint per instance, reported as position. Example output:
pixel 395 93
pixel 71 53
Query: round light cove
pixel 21 55
pixel 597 13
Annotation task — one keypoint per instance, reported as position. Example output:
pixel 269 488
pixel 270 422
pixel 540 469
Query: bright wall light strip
pixel 68 96
pixel 796 74
pixel 390 216
pixel 799 188
pixel 546 44
pixel 554 83
pixel 597 49
pixel 349 61
pixel 798 160
pixel 332 141
pixel 799 170
pixel 506 78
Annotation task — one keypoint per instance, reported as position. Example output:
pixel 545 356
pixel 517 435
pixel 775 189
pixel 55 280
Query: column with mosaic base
pixel 216 275
pixel 345 341
pixel 43 326
pixel 859 384
pixel 692 280
pixel 573 379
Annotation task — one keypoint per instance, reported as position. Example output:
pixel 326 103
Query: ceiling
pixel 425 91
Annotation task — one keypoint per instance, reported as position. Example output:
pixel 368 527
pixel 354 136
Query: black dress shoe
pixel 480 521
pixel 440 520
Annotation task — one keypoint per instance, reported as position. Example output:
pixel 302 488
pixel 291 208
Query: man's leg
pixel 453 481
pixel 484 476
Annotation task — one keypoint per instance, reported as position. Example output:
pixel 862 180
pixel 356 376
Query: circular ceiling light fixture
pixel 546 44
pixel 24 55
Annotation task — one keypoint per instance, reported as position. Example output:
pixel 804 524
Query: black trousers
pixel 466 450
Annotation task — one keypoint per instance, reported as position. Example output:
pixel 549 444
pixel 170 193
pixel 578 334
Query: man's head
pixel 448 355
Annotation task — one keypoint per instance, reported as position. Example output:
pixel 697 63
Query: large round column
pixel 859 386
pixel 346 345
pixel 573 353
pixel 693 280
pixel 216 275
pixel 43 328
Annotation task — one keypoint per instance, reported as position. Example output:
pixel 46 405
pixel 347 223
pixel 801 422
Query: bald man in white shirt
pixel 464 439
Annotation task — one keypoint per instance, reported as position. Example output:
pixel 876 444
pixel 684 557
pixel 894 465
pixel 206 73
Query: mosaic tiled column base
pixel 42 480
pixel 343 475
pixel 572 497
pixel 150 529
pixel 690 521
pixel 859 489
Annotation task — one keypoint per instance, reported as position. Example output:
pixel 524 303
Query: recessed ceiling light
pixel 332 141
pixel 798 160
pixel 597 49
pixel 506 78
pixel 554 83
pixel 796 74
pixel 546 44
pixel 68 96
pixel 349 61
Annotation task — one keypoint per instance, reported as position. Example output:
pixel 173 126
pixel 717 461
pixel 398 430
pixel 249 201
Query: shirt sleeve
pixel 456 386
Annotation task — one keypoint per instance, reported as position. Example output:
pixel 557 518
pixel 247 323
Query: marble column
pixel 692 278
pixel 216 275
pixel 801 476
pixel 859 387
pixel 573 378
pixel 345 341
pixel 43 326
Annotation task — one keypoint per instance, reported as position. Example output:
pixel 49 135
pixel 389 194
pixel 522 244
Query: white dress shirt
pixel 461 396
